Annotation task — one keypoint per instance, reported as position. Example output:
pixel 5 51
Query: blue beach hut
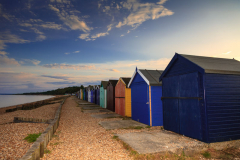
pixel 97 94
pixel 93 94
pixel 201 97
pixel 89 93
pixel 86 94
pixel 83 93
pixel 146 92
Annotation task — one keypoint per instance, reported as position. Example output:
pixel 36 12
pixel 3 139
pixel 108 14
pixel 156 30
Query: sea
pixel 11 100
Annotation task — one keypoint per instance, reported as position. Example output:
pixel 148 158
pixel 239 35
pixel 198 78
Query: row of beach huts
pixel 195 96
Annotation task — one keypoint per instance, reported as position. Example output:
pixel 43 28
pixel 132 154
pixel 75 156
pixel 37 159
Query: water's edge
pixel 14 100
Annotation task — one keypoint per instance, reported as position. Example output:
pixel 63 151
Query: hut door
pixel 181 112
pixel 170 105
pixel 189 111
pixel 140 103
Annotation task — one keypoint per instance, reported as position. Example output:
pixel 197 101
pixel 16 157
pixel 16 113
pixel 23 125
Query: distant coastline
pixel 9 100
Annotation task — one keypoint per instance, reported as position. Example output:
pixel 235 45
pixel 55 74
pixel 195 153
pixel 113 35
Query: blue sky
pixel 49 44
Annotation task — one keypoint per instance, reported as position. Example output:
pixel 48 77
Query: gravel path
pixel 44 112
pixel 79 136
pixel 12 145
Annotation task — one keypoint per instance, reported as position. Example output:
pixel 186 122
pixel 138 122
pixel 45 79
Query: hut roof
pixel 207 64
pixel 126 80
pixel 104 84
pixel 215 65
pixel 151 77
pixel 113 82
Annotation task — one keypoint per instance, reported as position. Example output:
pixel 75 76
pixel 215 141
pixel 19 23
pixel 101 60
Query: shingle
pixel 215 65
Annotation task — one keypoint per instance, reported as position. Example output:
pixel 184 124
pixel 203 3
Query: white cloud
pixel 41 37
pixel 109 27
pixel 106 9
pixel 54 8
pixel 87 36
pixel 114 70
pixel 118 7
pixel 50 25
pixel 71 20
pixel 7 37
pixel 227 52
pixel 162 2
pixel 3 53
pixel 31 61
pixel 5 60
pixel 99 35
pixel 76 51
pixel 69 66
pixel 67 53
pixel 141 12
pixel 8 17
pixel 84 36
pixel 122 35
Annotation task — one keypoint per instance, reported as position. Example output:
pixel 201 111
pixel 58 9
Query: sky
pixel 50 44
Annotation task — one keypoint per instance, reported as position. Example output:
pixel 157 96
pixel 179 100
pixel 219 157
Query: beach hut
pixel 111 95
pixel 97 94
pixel 123 97
pixel 89 93
pixel 103 94
pixel 83 93
pixel 201 97
pixel 146 92
pixel 86 94
pixel 93 94
pixel 80 93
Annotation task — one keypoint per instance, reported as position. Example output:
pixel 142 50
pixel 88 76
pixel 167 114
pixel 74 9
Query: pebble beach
pixel 12 143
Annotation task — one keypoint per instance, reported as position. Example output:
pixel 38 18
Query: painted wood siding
pixel 156 106
pixel 120 98
pixel 182 114
pixel 128 106
pixel 111 98
pixel 83 94
pixel 105 91
pixel 140 100
pixel 93 96
pixel 223 107
pixel 98 97
pixel 102 97
pixel 89 96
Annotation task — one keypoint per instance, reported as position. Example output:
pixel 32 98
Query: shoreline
pixel 3 109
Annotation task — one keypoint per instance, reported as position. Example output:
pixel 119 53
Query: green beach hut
pixel 103 94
